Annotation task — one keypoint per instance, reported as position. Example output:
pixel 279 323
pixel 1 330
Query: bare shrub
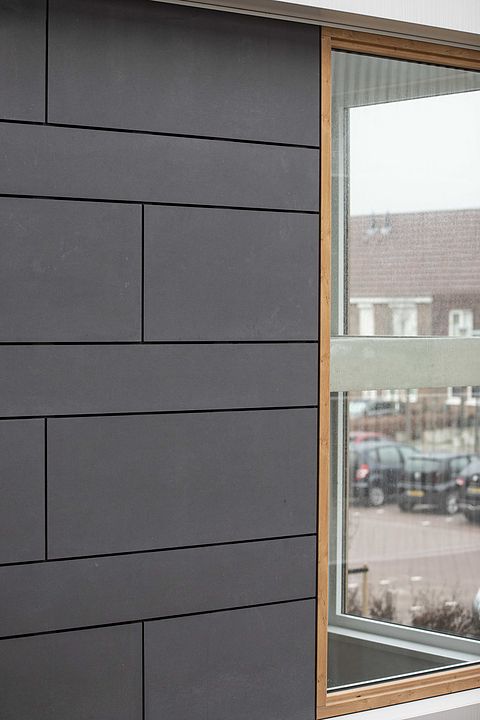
pixel 432 611
pixel 353 604
pixel 381 605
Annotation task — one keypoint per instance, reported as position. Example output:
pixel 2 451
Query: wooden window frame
pixel 431 684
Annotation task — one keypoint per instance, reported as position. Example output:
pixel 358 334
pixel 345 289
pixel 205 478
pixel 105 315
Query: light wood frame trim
pixel 430 684
pixel 402 49
pixel 324 370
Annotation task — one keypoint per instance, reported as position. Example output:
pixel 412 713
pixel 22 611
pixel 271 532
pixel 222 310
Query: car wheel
pixel 376 496
pixel 406 505
pixel 471 517
pixel 450 503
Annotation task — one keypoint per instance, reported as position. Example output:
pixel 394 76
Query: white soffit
pixel 459 15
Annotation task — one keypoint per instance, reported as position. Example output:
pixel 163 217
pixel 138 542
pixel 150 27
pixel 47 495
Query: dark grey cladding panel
pixel 163 68
pixel 173 480
pixel 256 663
pixel 78 379
pixel 22 59
pixel 70 271
pixel 76 675
pixel 96 591
pixel 22 490
pixel 230 275
pixel 95 164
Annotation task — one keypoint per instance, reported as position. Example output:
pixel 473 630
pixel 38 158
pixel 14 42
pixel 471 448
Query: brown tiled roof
pixel 424 254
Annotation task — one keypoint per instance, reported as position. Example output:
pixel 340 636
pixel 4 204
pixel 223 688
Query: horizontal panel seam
pixel 160 617
pixel 76 343
pixel 60 416
pixel 153 203
pixel 126 553
pixel 130 131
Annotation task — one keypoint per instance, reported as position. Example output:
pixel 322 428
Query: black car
pixel 431 481
pixel 375 408
pixel 468 484
pixel 376 468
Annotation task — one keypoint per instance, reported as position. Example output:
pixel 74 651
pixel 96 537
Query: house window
pixel 404 319
pixel 460 323
pixel 366 319
pixel 396 506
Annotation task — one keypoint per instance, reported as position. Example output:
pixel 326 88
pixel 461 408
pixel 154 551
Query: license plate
pixel 415 493
pixel 473 491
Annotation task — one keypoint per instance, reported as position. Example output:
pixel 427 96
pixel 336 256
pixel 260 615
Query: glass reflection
pixel 413 518
pixel 404 524
pixel 406 197
pixel 405 520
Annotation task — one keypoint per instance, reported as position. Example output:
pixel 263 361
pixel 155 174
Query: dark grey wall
pixel 158 362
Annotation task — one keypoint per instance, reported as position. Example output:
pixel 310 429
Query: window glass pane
pixel 406 215
pixel 405 507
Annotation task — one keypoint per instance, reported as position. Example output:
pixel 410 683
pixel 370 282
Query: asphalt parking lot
pixel 413 553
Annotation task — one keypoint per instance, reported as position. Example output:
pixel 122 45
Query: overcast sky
pixel 416 155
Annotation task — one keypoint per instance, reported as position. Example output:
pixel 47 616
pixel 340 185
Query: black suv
pixel 376 468
pixel 431 481
pixel 469 489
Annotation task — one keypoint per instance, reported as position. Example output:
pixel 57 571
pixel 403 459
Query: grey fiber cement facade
pixel 158 373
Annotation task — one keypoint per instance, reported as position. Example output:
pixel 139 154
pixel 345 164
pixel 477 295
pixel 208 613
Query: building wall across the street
pixel 158 375
pixel 398 265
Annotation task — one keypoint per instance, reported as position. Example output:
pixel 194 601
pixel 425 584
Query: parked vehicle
pixel 387 417
pixel 375 408
pixel 358 436
pixel 431 481
pixel 377 466
pixel 357 408
pixel 468 484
